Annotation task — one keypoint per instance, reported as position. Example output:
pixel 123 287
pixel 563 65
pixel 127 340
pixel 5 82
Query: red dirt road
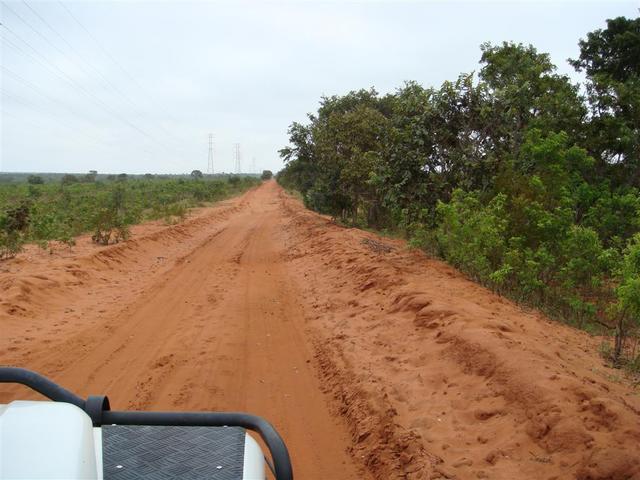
pixel 372 360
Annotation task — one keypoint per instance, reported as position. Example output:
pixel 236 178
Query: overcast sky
pixel 138 86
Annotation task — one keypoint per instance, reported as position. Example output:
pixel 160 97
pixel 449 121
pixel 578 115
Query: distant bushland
pixel 61 210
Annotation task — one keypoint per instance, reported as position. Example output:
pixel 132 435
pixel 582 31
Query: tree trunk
pixel 356 204
pixel 619 339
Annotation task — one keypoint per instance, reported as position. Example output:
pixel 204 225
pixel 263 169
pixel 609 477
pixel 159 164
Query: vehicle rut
pixel 371 359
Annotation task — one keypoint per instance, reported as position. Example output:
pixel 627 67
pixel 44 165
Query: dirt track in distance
pixel 372 360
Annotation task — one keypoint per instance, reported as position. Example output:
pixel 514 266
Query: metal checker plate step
pixel 140 452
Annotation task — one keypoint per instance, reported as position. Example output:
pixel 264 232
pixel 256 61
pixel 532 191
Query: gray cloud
pixel 242 70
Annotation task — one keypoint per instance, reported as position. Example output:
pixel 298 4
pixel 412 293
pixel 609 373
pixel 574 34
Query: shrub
pixel 10 244
pixel 627 306
pixel 472 236
pixel 109 227
pixel 110 223
pixel 175 212
pixel 69 179
pixel 16 219
pixel 35 180
pixel 14 224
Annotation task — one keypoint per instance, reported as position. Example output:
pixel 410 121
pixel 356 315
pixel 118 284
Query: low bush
pixel 14 226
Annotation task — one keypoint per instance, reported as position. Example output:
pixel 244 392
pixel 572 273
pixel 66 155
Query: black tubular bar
pixel 40 384
pixel 277 448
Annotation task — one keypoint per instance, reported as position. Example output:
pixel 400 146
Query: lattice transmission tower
pixel 210 159
pixel 236 153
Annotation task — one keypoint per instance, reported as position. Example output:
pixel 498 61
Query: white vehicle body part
pixel 51 440
pixel 56 440
pixel 253 467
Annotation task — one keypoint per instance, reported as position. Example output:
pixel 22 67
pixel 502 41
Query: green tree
pixel 68 179
pixel 35 180
pixel 526 92
pixel 350 145
pixel 610 58
pixel 331 160
pixel 300 159
pixel 90 177
pixel 510 175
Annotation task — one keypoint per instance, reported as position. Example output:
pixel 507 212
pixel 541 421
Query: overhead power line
pixel 17 78
pixel 116 63
pixel 35 107
pixel 55 70
pixel 29 84
pixel 138 109
pixel 83 60
pixel 61 74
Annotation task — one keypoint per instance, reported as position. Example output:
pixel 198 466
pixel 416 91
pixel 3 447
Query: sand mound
pixel 373 360
pixel 466 383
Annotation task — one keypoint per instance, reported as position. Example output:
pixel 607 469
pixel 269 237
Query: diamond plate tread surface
pixel 140 452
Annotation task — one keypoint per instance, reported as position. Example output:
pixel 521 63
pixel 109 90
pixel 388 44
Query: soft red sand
pixel 372 360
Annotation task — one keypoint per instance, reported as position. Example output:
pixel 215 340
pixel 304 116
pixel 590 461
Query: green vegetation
pixel 35 212
pixel 512 175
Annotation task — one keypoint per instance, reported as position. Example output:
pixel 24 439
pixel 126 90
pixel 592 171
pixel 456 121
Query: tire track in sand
pixel 267 306
pixel 220 330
